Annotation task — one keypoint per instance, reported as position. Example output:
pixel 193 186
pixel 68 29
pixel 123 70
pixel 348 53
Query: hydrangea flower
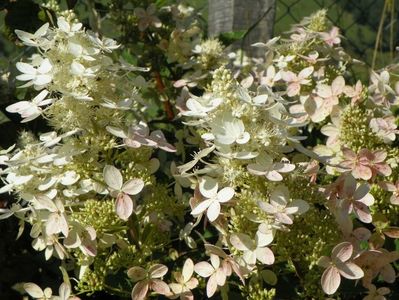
pixel 265 166
pixel 394 188
pixel 384 128
pixel 281 207
pixel 254 249
pixel 147 17
pixel 39 76
pixel 357 198
pixel 295 81
pixel 124 204
pixel 331 38
pixel 338 265
pixel 30 110
pixel 366 164
pixel 208 187
pixel 148 280
pixel 215 271
pixel 185 282
pixel 228 130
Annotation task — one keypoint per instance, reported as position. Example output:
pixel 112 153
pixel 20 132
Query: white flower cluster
pixel 82 91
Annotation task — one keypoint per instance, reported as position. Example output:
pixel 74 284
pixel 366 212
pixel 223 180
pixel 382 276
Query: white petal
pixel 225 194
pixel 208 187
pixel 133 186
pixel 45 66
pixel 26 68
pixel 213 211
pixel 242 241
pixel 188 269
pixel 113 177
pixel 63 25
pixel 33 290
pixel 204 269
pixel 201 207
pixel 42 80
pixel 77 69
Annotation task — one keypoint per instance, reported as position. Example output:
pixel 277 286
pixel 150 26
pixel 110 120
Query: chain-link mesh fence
pixel 359 21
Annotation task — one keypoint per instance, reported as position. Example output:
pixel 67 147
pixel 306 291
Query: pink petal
pixel 265 255
pixel 362 172
pixel 220 277
pixel 211 286
pixel 157 271
pixel 124 206
pixel 204 269
pixel 342 251
pixel 160 287
pixel 330 280
pixel 140 290
pixel 383 169
pixel 362 212
pixel 350 270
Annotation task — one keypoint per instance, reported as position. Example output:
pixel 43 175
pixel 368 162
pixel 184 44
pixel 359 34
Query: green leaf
pixel 269 277
pixel 227 38
pixel 3 118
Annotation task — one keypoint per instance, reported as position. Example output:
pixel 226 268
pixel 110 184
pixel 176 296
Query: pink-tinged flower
pixel 185 282
pixel 380 83
pixel 338 265
pixel 271 77
pixel 56 221
pixel 265 166
pixel 377 262
pixel 380 90
pixel 332 131
pixel 394 188
pixel 331 37
pixel 124 203
pixel 376 294
pixel 147 17
pixel 366 164
pixel 148 280
pixel 140 135
pixel 83 238
pixel 254 249
pixel 357 199
pixel 384 128
pixel 215 271
pixel 228 262
pixel 295 81
pixel 208 187
pixel 300 35
pixel 355 93
pixel 313 57
pixel 330 93
pixel 281 207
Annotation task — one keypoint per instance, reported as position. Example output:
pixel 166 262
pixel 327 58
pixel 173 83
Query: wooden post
pixel 234 15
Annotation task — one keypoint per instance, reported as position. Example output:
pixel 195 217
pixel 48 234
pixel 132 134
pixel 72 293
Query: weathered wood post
pixel 234 15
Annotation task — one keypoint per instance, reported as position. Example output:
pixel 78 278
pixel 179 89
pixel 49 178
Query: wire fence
pixel 362 23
